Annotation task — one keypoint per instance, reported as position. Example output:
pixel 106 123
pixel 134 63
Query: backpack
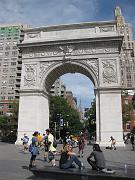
pixel 30 148
pixel 25 139
pixel 54 143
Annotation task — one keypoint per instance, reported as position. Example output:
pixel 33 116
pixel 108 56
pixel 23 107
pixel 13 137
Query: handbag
pixel 33 149
pixel 54 143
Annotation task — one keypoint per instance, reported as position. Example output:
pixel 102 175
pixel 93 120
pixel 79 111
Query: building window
pixel 13 70
pixel 5 64
pixel 14 47
pixel 9 106
pixel 1 106
pixel 14 53
pixel 16 38
pixel 127 126
pixel 15 42
pixel 10 92
pixel 7 47
pixel 4 82
pixel 13 63
pixel 6 53
pixel 8 43
pixel 5 70
pixel 8 38
pixel 10 98
pixel 12 75
pixel 6 59
pixel 11 81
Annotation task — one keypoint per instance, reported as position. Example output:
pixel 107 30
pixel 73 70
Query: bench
pixel 54 173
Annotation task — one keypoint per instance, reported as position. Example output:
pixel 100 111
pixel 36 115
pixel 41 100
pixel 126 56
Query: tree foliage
pixel 126 110
pixel 60 109
pixel 91 118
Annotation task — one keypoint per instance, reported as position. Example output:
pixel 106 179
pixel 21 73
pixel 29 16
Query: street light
pixel 61 121
pixel 55 126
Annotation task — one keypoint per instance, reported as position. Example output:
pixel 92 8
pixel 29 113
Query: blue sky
pixel 49 12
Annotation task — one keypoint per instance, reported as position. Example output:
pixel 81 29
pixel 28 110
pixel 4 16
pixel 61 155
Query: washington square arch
pixel 92 49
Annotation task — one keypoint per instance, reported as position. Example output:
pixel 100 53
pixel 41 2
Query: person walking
pixel 99 161
pixel 113 142
pixel 132 140
pixel 68 158
pixel 40 139
pixel 51 148
pixel 25 141
pixel 81 145
pixel 46 148
pixel 34 149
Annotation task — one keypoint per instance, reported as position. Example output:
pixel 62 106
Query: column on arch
pixel 33 113
pixel 110 117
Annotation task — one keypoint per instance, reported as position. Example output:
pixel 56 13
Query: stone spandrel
pixel 109 75
pixel 29 76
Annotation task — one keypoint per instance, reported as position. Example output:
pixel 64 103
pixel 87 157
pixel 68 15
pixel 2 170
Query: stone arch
pixel 58 69
pixel 92 49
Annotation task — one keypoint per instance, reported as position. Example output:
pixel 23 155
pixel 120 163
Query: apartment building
pixel 58 88
pixel 72 101
pixel 10 64
pixel 127 51
pixel 128 112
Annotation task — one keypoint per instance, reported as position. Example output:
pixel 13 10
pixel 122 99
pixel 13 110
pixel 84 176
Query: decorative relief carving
pixel 67 50
pixel 109 71
pixel 42 52
pixel 30 74
pixel 43 67
pixel 33 35
pixel 106 28
pixel 93 64
pixel 89 50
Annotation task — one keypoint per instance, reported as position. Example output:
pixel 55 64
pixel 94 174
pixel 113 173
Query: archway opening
pixel 79 80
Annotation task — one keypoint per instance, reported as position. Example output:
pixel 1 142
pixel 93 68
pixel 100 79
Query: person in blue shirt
pixel 34 149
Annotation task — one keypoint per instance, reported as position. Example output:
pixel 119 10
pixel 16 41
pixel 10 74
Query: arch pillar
pixel 109 116
pixel 33 113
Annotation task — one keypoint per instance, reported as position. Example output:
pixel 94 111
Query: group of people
pixel 68 158
pixel 49 150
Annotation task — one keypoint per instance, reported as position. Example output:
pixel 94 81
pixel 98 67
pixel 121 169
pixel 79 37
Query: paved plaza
pixel 14 163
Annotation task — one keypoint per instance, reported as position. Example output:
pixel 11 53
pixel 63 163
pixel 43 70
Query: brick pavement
pixel 14 163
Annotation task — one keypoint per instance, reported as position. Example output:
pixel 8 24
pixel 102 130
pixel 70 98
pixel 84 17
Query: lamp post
pixel 67 124
pixel 55 126
pixel 60 123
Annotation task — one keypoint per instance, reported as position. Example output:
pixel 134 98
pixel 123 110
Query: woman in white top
pixel 52 149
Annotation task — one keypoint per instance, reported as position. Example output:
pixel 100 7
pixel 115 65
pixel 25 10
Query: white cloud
pixel 45 12
pixel 81 86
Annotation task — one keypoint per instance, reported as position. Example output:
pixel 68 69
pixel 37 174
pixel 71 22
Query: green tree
pixel 60 109
pixel 14 112
pixel 91 118
pixel 126 110
pixel 8 123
